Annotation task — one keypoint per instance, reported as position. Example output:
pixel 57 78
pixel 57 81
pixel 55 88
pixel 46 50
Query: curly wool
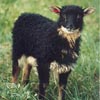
pixel 46 45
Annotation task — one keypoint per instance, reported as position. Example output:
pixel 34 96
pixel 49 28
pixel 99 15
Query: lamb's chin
pixel 65 30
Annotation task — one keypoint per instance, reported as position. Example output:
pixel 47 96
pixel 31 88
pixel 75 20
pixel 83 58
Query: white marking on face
pixel 65 30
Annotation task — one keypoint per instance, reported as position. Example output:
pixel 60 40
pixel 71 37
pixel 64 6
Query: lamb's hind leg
pixel 15 72
pixel 26 73
pixel 28 63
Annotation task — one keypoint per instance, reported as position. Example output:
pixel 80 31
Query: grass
pixel 83 83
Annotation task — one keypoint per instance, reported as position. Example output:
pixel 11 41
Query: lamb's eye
pixel 78 16
pixel 65 18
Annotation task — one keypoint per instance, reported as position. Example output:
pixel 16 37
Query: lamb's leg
pixel 43 71
pixel 15 72
pixel 62 85
pixel 26 73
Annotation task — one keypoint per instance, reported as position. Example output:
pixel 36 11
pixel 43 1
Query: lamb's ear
pixel 89 10
pixel 55 9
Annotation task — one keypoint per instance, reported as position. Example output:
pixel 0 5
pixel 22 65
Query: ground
pixel 83 83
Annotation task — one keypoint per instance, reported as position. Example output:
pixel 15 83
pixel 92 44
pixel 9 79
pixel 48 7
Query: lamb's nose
pixel 70 27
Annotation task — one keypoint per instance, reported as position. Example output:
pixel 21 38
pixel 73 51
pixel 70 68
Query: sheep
pixel 46 43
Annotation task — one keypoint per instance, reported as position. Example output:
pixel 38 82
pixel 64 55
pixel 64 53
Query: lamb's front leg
pixel 62 85
pixel 43 71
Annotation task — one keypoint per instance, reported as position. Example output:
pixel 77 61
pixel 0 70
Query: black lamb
pixel 48 41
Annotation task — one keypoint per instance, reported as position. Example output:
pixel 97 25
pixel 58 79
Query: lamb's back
pixel 33 33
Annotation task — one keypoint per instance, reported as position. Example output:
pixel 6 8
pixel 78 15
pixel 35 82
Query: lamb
pixel 43 42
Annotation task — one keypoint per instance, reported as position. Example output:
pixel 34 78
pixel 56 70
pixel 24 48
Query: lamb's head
pixel 71 17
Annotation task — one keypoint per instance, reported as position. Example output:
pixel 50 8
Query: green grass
pixel 83 83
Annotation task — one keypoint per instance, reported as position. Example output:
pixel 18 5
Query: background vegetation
pixel 83 83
